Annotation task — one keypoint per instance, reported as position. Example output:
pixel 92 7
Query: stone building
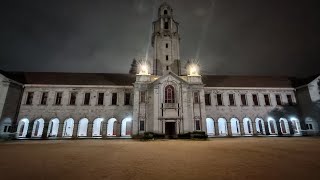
pixel 165 99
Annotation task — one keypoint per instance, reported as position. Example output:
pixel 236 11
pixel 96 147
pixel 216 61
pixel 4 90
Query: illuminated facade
pixel 165 99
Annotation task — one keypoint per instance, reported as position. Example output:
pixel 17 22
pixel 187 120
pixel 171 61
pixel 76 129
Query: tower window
pixel 167 45
pixel 167 68
pixel 167 57
pixel 278 100
pixel 165 12
pixel 142 96
pixel 166 25
pixel 169 94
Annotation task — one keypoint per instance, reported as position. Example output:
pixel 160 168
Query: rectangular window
pixel 196 97
pixel 231 100
pixel 255 99
pixel 29 98
pixel 219 99
pixel 290 102
pixel 167 45
pixel 266 100
pixel 142 96
pixel 243 100
pixel 167 68
pixel 166 25
pixel 5 129
pixel 114 99
pixel 9 129
pixel 198 125
pixel 58 98
pixel 127 99
pixel 278 99
pixel 167 57
pixel 86 99
pixel 44 98
pixel 100 98
pixel 73 97
pixel 207 99
pixel 141 125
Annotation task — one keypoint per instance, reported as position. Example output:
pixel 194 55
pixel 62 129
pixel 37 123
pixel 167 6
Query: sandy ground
pixel 220 158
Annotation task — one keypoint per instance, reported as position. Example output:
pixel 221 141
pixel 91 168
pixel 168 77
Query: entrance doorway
pixel 170 129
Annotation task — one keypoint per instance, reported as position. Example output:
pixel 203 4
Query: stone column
pixel 229 133
pixel 60 130
pixel 254 128
pixel 29 131
pixel 241 124
pixel 216 128
pixel 104 129
pixel 75 130
pixel 45 131
pixel 89 129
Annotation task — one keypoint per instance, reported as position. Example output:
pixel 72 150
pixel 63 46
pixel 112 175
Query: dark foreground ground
pixel 220 158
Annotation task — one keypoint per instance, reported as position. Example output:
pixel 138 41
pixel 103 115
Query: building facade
pixel 163 98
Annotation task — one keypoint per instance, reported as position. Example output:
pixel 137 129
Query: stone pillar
pixel 30 128
pixel 60 130
pixel 216 128
pixel 45 131
pixel 89 129
pixel 229 133
pixel 254 128
pixel 75 130
pixel 104 129
pixel 241 124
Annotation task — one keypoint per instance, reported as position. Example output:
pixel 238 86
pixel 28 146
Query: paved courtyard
pixel 220 158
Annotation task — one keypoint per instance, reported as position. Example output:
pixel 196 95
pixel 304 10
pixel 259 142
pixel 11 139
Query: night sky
pixel 228 37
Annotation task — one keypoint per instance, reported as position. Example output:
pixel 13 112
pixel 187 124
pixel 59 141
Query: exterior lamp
pixel 143 69
pixel 193 70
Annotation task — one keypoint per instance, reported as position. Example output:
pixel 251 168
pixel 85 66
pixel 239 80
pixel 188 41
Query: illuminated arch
pixel 111 127
pixel 83 127
pixel 222 124
pixel 22 129
pixel 235 127
pixel 247 126
pixel 97 127
pixel 272 126
pixel 53 127
pixel 68 128
pixel 37 129
pixel 126 125
pixel 210 127
pixel 284 126
pixel 260 126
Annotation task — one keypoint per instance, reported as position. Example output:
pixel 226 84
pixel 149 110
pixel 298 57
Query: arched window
pixel 169 94
pixel 165 12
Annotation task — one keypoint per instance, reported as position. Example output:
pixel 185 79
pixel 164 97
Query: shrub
pixel 198 135
pixel 184 136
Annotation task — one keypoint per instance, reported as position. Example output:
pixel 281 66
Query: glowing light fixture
pixel 193 70
pixel 143 69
